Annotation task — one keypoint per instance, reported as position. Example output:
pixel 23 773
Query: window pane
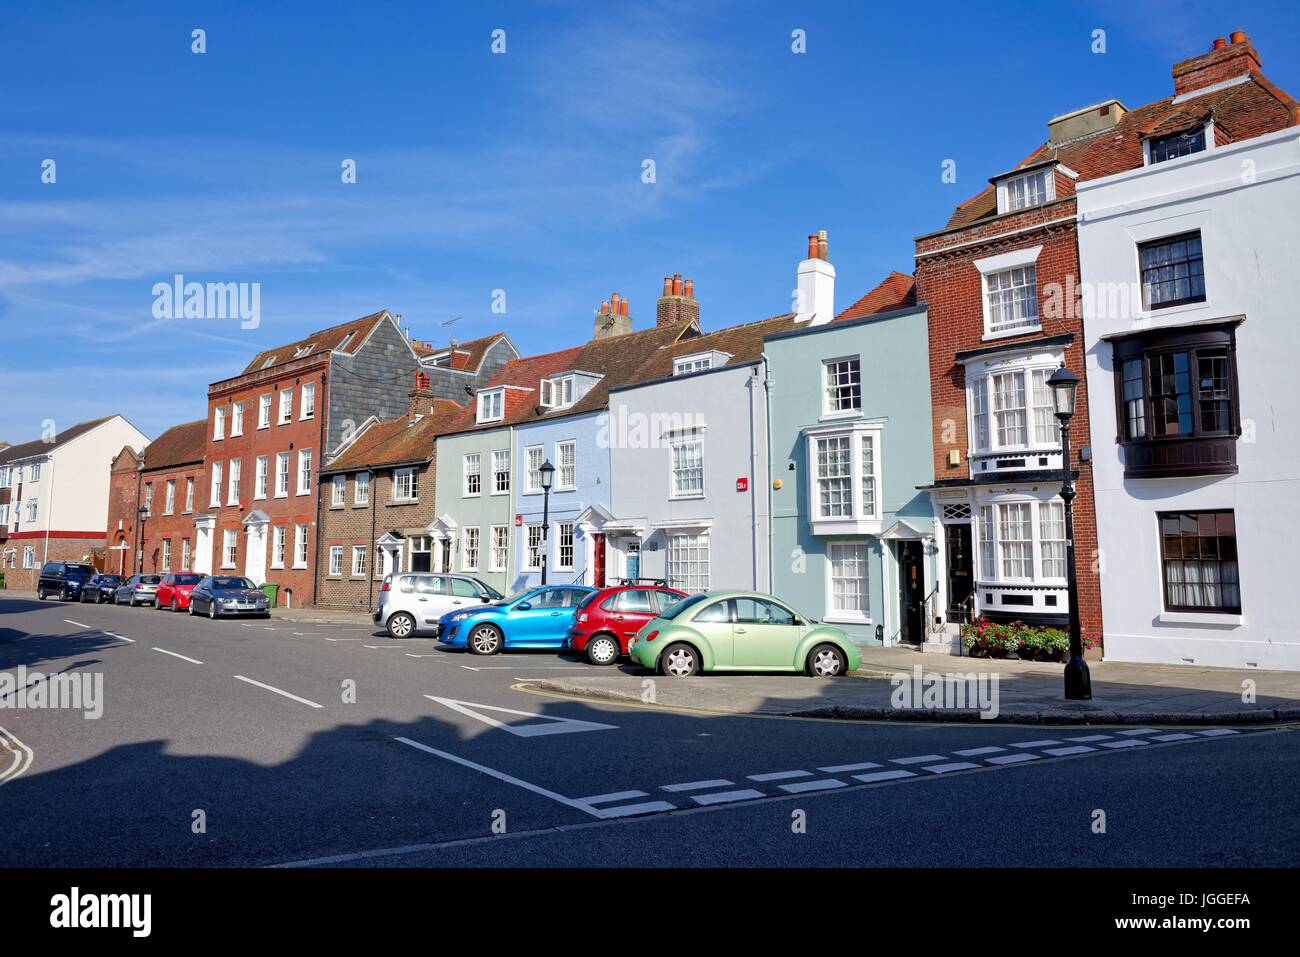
pixel 1173 271
pixel 1199 550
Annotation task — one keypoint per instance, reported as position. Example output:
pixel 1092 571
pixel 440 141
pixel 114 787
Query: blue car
pixel 536 618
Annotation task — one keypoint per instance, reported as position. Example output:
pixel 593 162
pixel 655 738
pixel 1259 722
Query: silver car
pixel 410 602
pixel 137 590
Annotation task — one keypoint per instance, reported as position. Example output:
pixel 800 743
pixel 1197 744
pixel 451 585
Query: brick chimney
pixel 815 289
pixel 677 302
pixel 613 318
pixel 1226 60
pixel 420 398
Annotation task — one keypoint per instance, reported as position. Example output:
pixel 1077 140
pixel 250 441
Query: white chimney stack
pixel 815 292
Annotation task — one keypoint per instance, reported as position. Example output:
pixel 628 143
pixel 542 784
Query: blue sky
pixel 520 172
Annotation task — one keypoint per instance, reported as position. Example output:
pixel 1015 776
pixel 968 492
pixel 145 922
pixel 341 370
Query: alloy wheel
pixel 680 662
pixel 826 663
pixel 485 640
pixel 602 650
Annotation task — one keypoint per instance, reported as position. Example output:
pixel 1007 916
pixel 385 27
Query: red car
pixel 174 591
pixel 607 619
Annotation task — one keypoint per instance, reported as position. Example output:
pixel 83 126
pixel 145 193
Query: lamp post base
pixel 1078 682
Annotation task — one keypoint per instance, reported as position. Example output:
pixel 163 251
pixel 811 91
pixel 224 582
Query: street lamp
pixel 143 512
pixel 547 473
pixel 1064 385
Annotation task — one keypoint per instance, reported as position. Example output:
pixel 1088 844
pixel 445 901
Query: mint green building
pixel 852 536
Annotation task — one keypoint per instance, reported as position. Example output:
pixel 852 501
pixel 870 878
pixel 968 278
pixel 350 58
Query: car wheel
pixel 157 604
pixel 175 607
pixel 212 610
pixel 602 650
pixel 826 661
pixel 401 625
pixel 192 609
pixel 679 661
pixel 484 640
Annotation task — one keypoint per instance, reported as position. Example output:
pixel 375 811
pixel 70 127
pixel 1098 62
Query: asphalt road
pixel 437 758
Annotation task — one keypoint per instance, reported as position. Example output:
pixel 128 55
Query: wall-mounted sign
pixel 742 485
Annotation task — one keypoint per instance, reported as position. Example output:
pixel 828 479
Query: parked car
pixel 536 618
pixel 64 579
pixel 174 590
pixel 137 590
pixel 217 595
pixel 100 588
pixel 607 619
pixel 410 602
pixel 741 631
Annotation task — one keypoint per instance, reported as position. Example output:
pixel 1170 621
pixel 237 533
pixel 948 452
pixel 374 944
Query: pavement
pixel 271 743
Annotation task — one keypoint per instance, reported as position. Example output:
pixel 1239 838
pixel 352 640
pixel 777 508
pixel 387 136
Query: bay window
pixel 844 479
pixel 1021 541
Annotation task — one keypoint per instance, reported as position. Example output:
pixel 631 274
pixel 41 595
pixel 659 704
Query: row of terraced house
pixel 893 467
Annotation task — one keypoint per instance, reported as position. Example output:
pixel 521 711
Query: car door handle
pixel 423 599
pixel 740 631
pixel 618 617
pixel 554 614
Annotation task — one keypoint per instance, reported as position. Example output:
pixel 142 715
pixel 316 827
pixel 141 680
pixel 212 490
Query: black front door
pixel 961 581
pixel 912 590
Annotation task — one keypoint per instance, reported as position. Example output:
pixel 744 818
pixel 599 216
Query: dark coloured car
pixel 220 595
pixel 99 588
pixel 607 619
pixel 137 590
pixel 174 590
pixel 64 580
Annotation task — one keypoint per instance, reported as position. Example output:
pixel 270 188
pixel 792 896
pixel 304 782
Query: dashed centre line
pixel 193 661
pixel 280 691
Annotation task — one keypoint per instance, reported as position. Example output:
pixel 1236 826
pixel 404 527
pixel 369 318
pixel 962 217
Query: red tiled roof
pixel 527 373
pixel 742 342
pixel 180 445
pixel 467 355
pixel 318 342
pixel 1241 111
pixel 894 292
pixel 390 441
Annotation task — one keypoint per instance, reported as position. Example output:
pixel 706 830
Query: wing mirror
pixel 524 606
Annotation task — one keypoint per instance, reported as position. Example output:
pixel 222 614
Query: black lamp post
pixel 143 512
pixel 1078 683
pixel 547 473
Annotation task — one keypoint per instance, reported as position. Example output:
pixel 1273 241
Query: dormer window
pixel 270 361
pixel 346 339
pixel 557 393
pixel 303 350
pixel 1026 190
pixel 1161 148
pixel 700 362
pixel 491 405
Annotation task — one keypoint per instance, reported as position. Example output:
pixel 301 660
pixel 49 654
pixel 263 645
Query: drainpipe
pixel 49 513
pixel 752 385
pixel 323 410
pixel 370 493
pixel 138 556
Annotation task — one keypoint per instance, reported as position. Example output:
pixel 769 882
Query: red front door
pixel 598 563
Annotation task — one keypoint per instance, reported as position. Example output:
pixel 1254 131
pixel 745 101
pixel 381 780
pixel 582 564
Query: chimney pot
pixel 823 249
pixel 624 307
pixel 1237 36
pixel 677 284
pixel 668 285
pixel 604 307
pixel 812 246
pixel 1220 43
pixel 688 289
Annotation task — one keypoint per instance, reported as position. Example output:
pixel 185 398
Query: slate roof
pixel 325 340
pixel 40 447
pixel 1242 111
pixel 391 441
pixel 894 292
pixel 180 445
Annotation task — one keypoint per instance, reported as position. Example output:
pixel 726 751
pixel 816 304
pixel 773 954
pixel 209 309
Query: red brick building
pixel 167 480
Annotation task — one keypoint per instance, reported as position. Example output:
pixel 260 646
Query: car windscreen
pixel 513 598
pixel 79 571
pixel 110 579
pixel 225 582
pixel 492 593
pixel 683 605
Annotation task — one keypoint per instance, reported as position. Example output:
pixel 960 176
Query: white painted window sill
pixel 1201 618
pixel 1009 333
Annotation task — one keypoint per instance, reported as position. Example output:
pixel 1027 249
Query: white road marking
pixel 780 775
pixel 1215 732
pixel 920 759
pixel 381 646
pixel 955 766
pixel 824 784
pixel 1091 737
pixel 552 725
pixel 724 797
pixel 1046 742
pixel 972 752
pixel 697 785
pixel 614 796
pixel 22 757
pixel 502 776
pixel 280 691
pixel 841 768
pixel 1013 758
pixel 1074 749
pixel 193 661
pixel 1132 731
pixel 342 639
pixel 1126 743
pixel 77 623
pixel 120 637
pixel 626 810
pixel 1174 737
pixel 409 655
pixel 883 776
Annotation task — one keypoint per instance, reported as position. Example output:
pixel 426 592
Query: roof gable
pixel 346 337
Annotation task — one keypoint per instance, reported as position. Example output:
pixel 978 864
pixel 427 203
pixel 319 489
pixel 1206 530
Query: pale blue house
pixel 852 537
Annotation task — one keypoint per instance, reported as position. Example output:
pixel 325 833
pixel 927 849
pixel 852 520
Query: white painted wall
pixel 1245 200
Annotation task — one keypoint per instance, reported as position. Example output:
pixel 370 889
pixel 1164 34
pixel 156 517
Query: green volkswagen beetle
pixel 740 631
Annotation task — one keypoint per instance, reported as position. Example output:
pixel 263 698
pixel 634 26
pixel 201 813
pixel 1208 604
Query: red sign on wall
pixel 519 520
pixel 742 485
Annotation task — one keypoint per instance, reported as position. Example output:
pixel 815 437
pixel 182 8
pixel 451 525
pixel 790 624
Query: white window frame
pixel 828 369
pixel 491 405
pixel 169 500
pixel 233 483
pixel 993 555
pixel 469 549
pixel 300 546
pixel 677 543
pixel 983 437
pixel 338 491
pixel 307 401
pixel 264 410
pixel 560 484
pixel 558 392
pixel 560 534
pixel 219 423
pixel 186 554
pixel 229 548
pixel 501 472
pixel 237 419
pixel 533 474
pixel 860 520
pixel 699 362
pixel 1012 188
pixel 359 553
pixel 282 475
pixel 531 560
pixel 218 469
pixel 33 509
pixel 166 554
pixel 336 561
pixel 862 615
pixel 304 471
pixel 499 548
pixel 411 479
pixel 260 477
pixel 286 406
pixel 29 556
pixel 996 267
pixel 361 488
pixel 189 493
pixel 471 468
pixel 674 446
pixel 279 535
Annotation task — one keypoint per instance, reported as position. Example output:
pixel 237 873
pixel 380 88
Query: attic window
pixel 491 405
pixel 346 340
pixel 303 350
pixel 557 393
pixel 1161 148
pixel 1030 189
pixel 270 361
